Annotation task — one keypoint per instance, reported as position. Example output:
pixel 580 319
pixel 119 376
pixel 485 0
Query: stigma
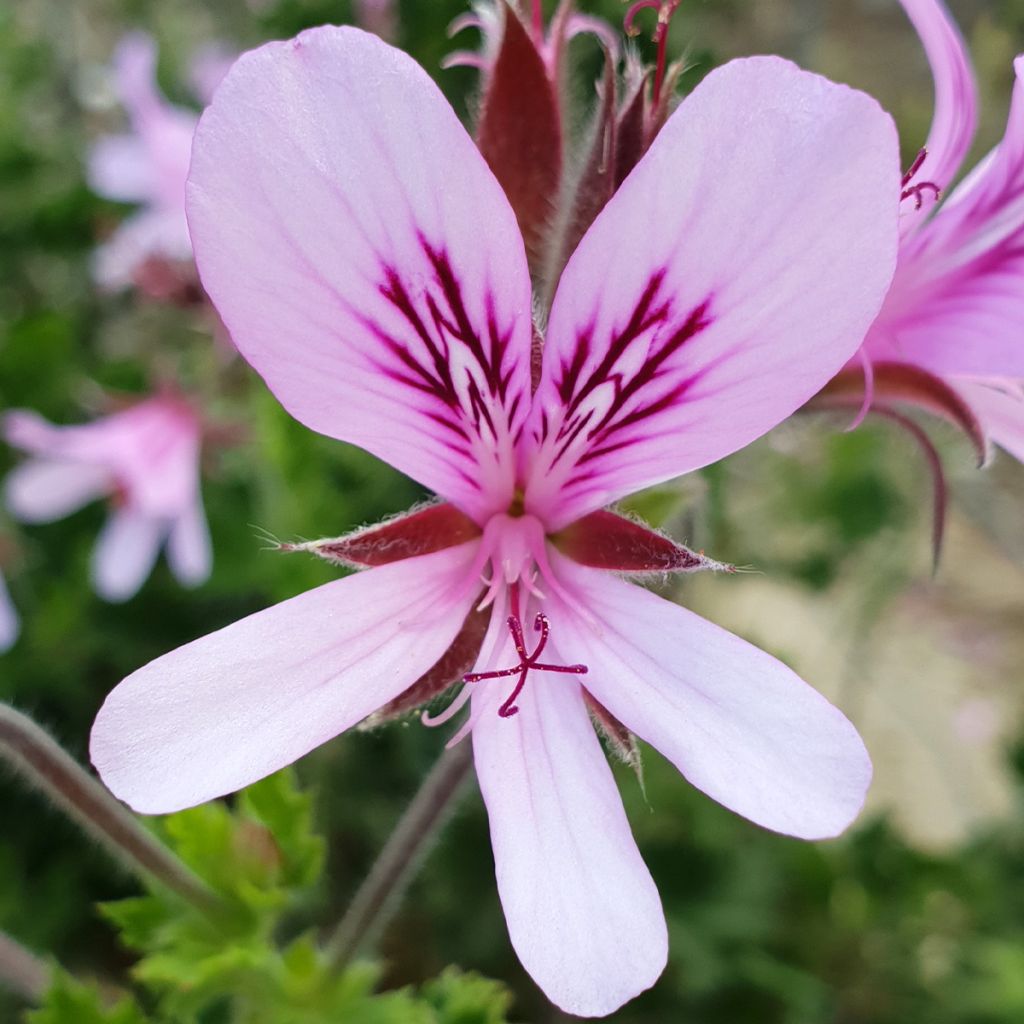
pixel 516 549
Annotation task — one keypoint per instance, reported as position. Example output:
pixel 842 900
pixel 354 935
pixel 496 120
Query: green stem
pixel 378 897
pixel 47 766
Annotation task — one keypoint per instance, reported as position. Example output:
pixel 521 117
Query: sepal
pixel 605 540
pixel 420 532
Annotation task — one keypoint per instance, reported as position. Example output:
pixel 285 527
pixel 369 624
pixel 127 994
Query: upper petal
pixel 739 724
pixel 234 706
pixel 125 553
pixel 736 269
pixel 583 914
pixel 365 260
pixel 957 301
pixel 956 99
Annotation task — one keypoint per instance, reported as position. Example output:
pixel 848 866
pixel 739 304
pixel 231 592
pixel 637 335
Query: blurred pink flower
pixel 148 165
pixel 956 306
pixel 369 266
pixel 146 460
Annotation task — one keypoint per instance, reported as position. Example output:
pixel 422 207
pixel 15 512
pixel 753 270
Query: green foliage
pixel 70 1001
pixel 264 860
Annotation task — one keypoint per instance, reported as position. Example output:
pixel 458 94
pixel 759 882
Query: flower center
pixel 515 546
pixel 526 661
pixel 918 190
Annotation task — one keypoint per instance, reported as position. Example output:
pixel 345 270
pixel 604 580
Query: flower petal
pixel 1001 411
pixel 188 545
pixel 119 168
pixel 365 260
pixel 234 706
pixel 44 490
pixel 150 234
pixel 956 100
pixel 957 301
pixel 583 914
pixel 737 723
pixel 125 553
pixel 736 269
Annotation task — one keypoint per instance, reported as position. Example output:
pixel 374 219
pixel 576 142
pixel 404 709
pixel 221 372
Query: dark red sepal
pixel 604 540
pixel 901 382
pixel 594 186
pixel 430 529
pixel 446 671
pixel 520 132
pixel 630 135
pixel 620 740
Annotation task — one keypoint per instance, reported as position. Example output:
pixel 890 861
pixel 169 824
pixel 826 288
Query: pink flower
pixel 148 165
pixel 956 306
pixel 146 460
pixel 369 266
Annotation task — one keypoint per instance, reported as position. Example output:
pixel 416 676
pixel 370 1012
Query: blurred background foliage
pixel 916 915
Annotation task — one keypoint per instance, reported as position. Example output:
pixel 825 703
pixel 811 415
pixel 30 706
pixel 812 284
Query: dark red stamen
pixel 922 186
pixel 526 661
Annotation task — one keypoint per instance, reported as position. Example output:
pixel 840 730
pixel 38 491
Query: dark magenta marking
pixel 439 320
pixel 652 312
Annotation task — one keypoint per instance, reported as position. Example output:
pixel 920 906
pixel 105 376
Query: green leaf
pixel 71 1002
pixel 462 998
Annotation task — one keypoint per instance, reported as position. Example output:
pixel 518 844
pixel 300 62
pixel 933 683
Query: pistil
pixel 526 661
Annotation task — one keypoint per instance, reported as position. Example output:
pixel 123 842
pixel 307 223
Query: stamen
pixel 665 9
pixel 922 186
pixel 526 661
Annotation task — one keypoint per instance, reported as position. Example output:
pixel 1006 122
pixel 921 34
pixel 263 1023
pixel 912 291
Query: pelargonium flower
pixel 145 460
pixel 148 166
pixel 950 336
pixel 369 266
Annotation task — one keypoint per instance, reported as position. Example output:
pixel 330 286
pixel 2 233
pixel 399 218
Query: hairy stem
pixel 21 971
pixel 46 765
pixel 379 895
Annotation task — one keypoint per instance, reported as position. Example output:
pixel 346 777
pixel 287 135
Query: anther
pixel 526 662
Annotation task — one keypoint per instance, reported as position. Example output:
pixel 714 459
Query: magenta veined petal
pixel 736 269
pixel 957 302
pixel 583 913
pixel 365 260
pixel 738 724
pixel 956 100
pixel 234 706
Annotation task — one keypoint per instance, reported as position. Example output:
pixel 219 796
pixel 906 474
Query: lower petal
pixel 737 723
pixel 234 706
pixel 583 913
pixel 188 546
pixel 125 554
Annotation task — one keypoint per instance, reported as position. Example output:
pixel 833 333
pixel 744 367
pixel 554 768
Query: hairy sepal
pixel 420 532
pixel 618 738
pixel 606 540
pixel 520 132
